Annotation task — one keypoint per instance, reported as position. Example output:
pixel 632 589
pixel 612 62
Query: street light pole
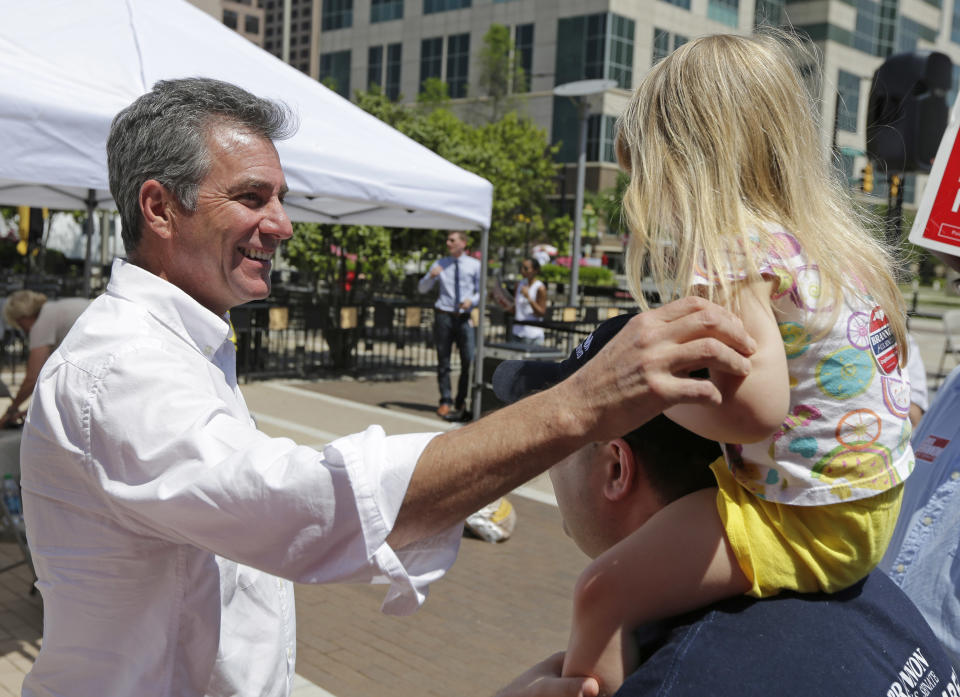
pixel 579 91
pixel 578 205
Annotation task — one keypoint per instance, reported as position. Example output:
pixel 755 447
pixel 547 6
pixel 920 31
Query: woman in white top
pixel 529 304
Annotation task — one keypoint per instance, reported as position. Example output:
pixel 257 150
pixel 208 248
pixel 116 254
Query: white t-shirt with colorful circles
pixel 847 431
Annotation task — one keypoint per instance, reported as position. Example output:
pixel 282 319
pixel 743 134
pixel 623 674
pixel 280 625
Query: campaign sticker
pixel 883 344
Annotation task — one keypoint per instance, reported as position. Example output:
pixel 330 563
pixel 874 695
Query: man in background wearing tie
pixel 459 276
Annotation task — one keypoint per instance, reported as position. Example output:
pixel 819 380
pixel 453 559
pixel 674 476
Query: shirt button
pixel 289 652
pixel 955 476
pixel 928 521
pixel 208 350
pixel 901 568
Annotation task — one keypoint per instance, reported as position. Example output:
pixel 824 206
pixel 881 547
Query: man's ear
pixel 620 470
pixel 157 205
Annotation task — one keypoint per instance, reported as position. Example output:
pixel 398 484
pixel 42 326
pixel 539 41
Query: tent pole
pixel 91 202
pixel 478 355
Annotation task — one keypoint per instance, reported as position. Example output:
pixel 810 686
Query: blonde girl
pixel 730 198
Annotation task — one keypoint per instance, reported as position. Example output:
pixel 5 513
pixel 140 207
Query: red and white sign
pixel 883 344
pixel 937 225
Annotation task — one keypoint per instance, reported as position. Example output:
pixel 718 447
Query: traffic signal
pixel 866 178
pixel 894 185
pixel 907 112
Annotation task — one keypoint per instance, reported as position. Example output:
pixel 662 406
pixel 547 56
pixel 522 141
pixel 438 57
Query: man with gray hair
pixel 165 528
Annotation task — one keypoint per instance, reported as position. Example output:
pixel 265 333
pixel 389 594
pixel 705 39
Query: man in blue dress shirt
pixel 459 279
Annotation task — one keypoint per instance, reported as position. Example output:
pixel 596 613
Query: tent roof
pixel 66 68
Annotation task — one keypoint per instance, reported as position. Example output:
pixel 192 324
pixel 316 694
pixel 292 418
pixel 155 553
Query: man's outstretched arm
pixel 642 371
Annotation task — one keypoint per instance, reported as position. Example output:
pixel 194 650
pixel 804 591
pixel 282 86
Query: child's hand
pixel 543 680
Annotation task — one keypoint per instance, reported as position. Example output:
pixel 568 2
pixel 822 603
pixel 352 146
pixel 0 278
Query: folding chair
pixel 951 340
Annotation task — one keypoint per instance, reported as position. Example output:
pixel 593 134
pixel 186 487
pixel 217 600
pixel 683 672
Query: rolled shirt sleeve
pixel 190 468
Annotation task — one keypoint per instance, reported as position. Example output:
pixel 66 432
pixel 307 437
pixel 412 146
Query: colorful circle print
pixel 845 373
pixel 858 429
pixel 896 396
pixel 808 283
pixel 796 340
pixel 868 468
pixel 858 330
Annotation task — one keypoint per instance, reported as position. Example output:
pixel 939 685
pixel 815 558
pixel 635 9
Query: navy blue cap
pixel 514 380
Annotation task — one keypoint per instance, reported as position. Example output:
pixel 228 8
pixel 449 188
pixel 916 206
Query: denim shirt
pixel 922 556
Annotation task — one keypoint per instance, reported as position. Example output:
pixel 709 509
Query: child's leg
pixel 678 561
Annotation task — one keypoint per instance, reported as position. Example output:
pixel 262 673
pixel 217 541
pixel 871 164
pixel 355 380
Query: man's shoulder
pixel 866 640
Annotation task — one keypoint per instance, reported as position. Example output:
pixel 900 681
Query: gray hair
pixel 20 304
pixel 163 136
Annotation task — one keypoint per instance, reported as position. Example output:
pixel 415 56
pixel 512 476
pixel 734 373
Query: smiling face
pixel 221 252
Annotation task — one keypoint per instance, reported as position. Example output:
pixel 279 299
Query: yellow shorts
pixel 804 548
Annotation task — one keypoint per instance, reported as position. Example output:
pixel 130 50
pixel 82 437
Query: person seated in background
pixel 46 323
pixel 529 304
pixel 864 640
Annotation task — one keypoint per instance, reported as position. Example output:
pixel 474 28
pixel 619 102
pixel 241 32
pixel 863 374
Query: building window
pixel 724 11
pixel 458 64
pixel 620 51
pixel 251 24
pixel 664 43
pixel 768 13
pixel 335 72
pixel 385 10
pixel 595 46
pixel 431 6
pixel 230 18
pixel 431 59
pixel 375 67
pixel 848 92
pixel 685 4
pixel 875 27
pixel 601 130
pixel 955 23
pixel 394 61
pixel 523 55
pixel 337 14
pixel 846 168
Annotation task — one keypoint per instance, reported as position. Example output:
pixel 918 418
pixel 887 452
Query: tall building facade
pixel 243 16
pixel 398 44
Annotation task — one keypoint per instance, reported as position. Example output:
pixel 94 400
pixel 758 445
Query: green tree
pixel 500 73
pixel 609 204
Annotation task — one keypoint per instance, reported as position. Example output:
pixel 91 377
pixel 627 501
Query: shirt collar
pixel 169 304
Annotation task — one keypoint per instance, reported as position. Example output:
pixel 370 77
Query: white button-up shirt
pixel 163 523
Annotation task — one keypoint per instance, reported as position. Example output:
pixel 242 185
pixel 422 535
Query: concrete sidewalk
pixel 500 609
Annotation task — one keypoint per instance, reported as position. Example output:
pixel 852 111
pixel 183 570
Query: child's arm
pixel 755 406
pixel 677 561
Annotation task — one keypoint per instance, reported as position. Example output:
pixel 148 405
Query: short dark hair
pixel 675 460
pixel 163 136
pixel 534 263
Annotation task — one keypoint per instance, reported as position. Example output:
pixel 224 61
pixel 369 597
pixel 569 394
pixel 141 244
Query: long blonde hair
pixel 721 143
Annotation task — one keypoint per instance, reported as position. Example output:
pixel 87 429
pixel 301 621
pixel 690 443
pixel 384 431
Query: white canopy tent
pixel 67 67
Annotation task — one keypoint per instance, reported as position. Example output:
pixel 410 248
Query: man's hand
pixel 543 680
pixel 435 271
pixel 646 367
pixel 639 373
pixel 466 305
